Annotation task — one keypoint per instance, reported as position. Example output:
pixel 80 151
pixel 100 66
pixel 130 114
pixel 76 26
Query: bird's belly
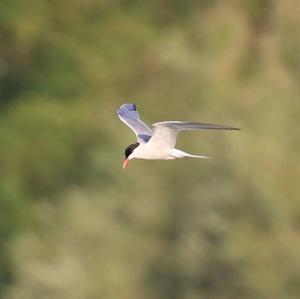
pixel 154 154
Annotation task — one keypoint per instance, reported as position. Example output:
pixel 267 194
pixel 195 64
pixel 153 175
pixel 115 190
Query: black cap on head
pixel 130 148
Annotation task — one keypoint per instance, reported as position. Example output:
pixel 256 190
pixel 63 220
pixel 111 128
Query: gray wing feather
pixel 187 125
pixel 165 133
pixel 129 115
pixel 163 137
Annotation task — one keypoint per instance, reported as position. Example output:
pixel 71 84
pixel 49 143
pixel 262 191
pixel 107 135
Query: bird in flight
pixel 158 142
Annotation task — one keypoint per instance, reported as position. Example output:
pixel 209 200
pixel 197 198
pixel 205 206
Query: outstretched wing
pixel 165 133
pixel 129 115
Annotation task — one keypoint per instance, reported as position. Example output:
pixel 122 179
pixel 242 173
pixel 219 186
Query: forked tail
pixel 180 154
pixel 197 156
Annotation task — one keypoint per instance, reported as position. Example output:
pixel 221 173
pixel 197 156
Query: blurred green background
pixel 73 225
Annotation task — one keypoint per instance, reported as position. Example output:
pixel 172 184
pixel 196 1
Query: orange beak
pixel 125 162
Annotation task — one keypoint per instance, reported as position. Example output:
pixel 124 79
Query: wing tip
pixel 233 128
pixel 127 107
pixel 175 122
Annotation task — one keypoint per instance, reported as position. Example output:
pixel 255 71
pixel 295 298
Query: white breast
pixel 144 151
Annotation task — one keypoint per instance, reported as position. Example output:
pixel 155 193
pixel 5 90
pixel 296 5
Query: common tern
pixel 158 142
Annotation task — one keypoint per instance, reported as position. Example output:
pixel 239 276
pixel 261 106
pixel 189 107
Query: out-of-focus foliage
pixel 73 225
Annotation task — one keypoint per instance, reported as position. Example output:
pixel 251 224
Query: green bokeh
pixel 73 225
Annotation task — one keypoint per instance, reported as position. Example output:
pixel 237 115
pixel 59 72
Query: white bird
pixel 158 142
